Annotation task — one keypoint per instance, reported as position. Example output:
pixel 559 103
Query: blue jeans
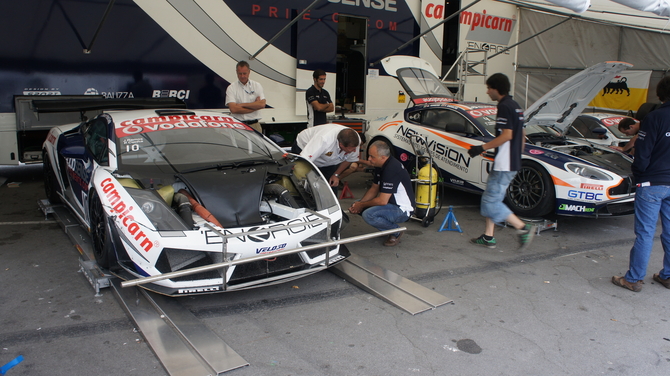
pixel 384 217
pixel 649 203
pixel 492 205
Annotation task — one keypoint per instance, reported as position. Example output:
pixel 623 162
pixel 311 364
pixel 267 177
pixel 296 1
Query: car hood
pixel 560 106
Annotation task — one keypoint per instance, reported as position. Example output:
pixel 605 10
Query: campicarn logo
pixel 487 28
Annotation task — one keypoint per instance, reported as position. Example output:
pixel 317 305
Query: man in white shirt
pixel 331 147
pixel 245 98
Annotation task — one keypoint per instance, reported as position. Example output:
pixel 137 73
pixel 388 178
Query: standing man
pixel 390 199
pixel 245 98
pixel 651 169
pixel 509 143
pixel 318 100
pixel 331 147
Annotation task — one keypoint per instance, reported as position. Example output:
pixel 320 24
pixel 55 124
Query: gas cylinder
pixel 426 193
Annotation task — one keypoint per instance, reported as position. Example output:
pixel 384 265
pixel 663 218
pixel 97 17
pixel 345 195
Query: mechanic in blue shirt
pixel 509 143
pixel 390 199
pixel 651 169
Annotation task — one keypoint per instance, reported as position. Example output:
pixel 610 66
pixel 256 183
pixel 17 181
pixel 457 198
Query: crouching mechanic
pixel 390 199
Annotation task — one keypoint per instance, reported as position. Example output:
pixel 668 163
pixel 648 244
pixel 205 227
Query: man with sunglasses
pixel 245 98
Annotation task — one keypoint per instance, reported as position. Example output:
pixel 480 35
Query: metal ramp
pixel 389 286
pixel 184 345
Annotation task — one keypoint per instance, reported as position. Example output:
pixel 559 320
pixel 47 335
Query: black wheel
pixel 102 241
pixel 382 139
pixel 50 182
pixel 531 193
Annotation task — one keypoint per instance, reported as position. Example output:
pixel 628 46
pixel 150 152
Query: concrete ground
pixel 549 310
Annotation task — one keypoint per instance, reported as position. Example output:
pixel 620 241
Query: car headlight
pixel 156 209
pixel 587 171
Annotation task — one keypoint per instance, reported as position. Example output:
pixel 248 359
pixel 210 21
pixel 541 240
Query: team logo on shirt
pixel 329 154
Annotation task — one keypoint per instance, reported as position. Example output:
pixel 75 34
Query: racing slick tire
pixel 531 193
pixel 103 249
pixel 50 182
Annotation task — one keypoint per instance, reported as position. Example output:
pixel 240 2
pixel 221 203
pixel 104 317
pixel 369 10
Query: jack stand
pixel 346 192
pixel 450 220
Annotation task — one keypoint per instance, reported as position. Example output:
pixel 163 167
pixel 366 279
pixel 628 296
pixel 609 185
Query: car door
pixel 449 136
pixel 83 157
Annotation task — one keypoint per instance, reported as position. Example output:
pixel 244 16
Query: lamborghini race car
pixel 558 175
pixel 171 190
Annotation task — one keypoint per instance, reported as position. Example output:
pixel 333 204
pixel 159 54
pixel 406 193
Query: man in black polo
pixel 318 100
pixel 508 144
pixel 390 199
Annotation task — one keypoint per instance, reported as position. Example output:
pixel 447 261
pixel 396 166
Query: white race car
pixel 168 190
pixel 599 128
pixel 559 175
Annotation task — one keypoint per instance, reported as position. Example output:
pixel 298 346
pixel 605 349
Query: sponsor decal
pixel 445 153
pixel 612 121
pixel 387 5
pixel 125 217
pixel 483 112
pixel 79 172
pixel 193 290
pixel 581 195
pixel 274 231
pixel 404 157
pixel 161 123
pixel 575 208
pixel 536 151
pixel 456 181
pixel 180 94
pixel 259 10
pixel 432 100
pixel 487 28
pixel 274 248
pixel 51 138
pixel 594 187
pixel 488 47
pixel 41 91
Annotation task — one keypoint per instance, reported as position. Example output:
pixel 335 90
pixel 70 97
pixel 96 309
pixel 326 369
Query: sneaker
pixel 526 235
pixel 632 286
pixel 483 242
pixel 664 282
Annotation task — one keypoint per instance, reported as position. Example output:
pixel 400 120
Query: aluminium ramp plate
pixel 181 342
pixel 389 286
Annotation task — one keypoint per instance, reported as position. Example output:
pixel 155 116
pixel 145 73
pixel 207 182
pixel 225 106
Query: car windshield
pixel 190 143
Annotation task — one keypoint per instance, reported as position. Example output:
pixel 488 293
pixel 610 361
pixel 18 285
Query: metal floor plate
pixel 389 286
pixel 184 345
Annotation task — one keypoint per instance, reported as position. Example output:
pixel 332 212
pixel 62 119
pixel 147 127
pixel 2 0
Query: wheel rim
pixel 527 189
